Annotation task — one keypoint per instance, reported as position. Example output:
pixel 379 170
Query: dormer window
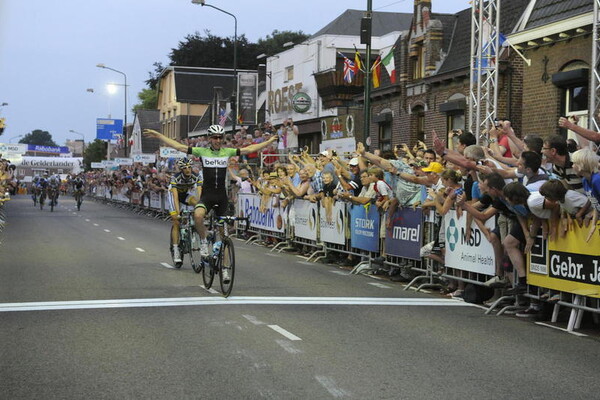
pixel 289 73
pixel 418 63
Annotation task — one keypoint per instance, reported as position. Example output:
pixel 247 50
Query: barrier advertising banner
pixel 305 219
pixel 474 254
pixel 272 219
pixel 403 237
pixel 364 231
pixel 155 200
pixel 568 264
pixel 333 231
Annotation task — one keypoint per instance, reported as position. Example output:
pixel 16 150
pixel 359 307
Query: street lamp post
pixel 125 91
pixel 82 137
pixel 14 137
pixel 234 91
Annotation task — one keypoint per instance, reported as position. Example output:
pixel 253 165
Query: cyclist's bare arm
pixel 167 141
pixel 253 148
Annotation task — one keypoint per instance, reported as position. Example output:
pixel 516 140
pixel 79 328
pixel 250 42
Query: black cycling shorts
pixel 214 200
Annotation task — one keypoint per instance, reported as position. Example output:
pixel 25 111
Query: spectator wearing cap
pixel 350 179
pixel 325 158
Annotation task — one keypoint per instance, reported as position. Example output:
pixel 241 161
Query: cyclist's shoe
pixel 204 248
pixel 226 275
pixel 176 254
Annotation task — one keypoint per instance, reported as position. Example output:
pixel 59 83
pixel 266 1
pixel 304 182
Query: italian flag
pixel 390 66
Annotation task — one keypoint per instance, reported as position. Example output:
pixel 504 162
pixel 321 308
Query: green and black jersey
pixel 214 165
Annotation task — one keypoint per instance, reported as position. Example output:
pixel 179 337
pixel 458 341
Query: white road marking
pixel 167 265
pixel 305 262
pixel 107 230
pixel 207 301
pixel 87 220
pixel 379 285
pixel 140 250
pixel 120 238
pixel 74 212
pixel 272 254
pixel 561 329
pixel 95 224
pixel 253 319
pixel 331 387
pixel 285 333
pixel 340 273
pixel 288 346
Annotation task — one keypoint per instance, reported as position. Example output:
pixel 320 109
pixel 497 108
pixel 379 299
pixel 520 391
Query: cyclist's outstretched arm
pixel 253 148
pixel 167 141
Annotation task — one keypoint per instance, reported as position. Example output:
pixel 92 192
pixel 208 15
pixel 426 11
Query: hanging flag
pixel 358 65
pixel 349 70
pixel 377 72
pixel 222 117
pixel 390 66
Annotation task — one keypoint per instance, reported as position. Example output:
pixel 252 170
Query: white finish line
pixel 208 301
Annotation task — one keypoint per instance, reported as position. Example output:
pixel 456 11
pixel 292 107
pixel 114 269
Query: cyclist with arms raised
pixel 185 188
pixel 215 160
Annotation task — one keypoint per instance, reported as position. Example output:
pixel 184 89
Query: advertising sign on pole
pixel 247 95
pixel 123 161
pixel 144 158
pixel 108 129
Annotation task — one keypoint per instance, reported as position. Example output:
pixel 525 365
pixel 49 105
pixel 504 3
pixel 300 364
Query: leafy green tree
pixel 273 43
pixel 39 137
pixel 94 152
pixel 148 100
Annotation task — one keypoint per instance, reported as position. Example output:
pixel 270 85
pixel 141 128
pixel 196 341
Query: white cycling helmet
pixel 216 130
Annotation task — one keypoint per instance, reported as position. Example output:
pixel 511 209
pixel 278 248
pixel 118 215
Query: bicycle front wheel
pixel 227 266
pixel 195 255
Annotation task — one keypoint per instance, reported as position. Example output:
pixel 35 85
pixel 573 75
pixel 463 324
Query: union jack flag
pixel 349 70
pixel 222 117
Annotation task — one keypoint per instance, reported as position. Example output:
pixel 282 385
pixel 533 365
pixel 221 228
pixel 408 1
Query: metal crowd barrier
pixel 357 231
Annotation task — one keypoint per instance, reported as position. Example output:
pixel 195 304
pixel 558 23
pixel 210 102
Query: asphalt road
pixel 90 308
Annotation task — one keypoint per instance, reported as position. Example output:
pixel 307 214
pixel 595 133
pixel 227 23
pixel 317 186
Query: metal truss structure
pixel 595 71
pixel 483 93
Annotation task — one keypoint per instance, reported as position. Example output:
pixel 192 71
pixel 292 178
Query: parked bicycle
pixel 221 261
pixel 189 240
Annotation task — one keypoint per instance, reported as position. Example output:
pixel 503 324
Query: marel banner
pixel 305 219
pixel 364 231
pixel 271 218
pixel 469 253
pixel 404 233
pixel 144 158
pixel 567 263
pixel 333 229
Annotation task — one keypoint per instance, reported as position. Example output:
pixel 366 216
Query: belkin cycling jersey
pixel 214 165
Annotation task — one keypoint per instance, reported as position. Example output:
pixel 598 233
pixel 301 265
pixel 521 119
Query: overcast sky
pixel 49 50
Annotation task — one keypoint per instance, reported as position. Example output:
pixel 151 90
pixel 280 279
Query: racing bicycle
pixel 189 240
pixel 52 196
pixel 221 261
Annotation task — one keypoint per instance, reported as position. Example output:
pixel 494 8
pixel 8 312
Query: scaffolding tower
pixel 595 73
pixel 483 92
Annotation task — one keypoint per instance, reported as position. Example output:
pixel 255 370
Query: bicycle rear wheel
pixel 42 199
pixel 227 266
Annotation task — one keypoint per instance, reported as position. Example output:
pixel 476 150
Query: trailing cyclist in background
pixel 78 184
pixel 215 160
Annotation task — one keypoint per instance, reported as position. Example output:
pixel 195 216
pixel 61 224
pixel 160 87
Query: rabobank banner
pixel 272 219
pixel 364 229
pixel 333 229
pixel 468 252
pixel 47 149
pixel 305 219
pixel 404 233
